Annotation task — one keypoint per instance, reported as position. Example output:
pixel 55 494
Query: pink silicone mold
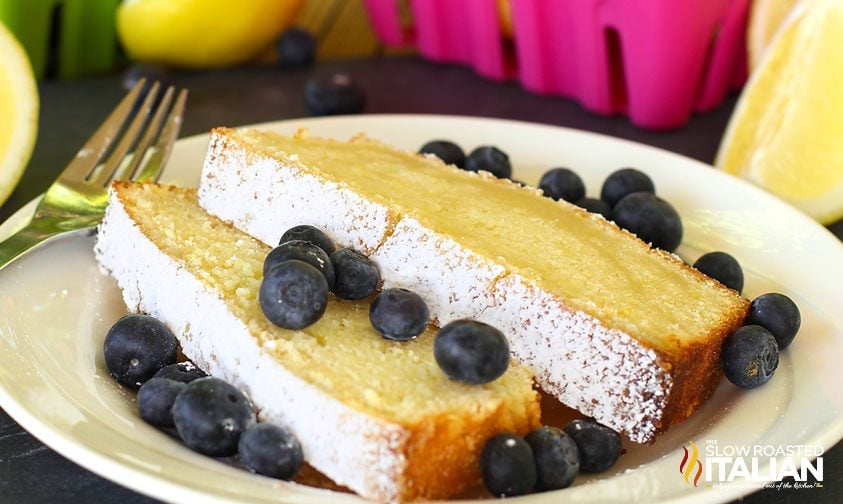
pixel 655 60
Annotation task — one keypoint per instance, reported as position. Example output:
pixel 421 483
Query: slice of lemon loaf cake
pixel 624 333
pixel 377 416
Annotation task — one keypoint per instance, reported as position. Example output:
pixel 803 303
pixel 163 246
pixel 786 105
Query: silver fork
pixel 75 202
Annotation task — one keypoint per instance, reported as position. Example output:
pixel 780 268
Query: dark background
pixel 70 110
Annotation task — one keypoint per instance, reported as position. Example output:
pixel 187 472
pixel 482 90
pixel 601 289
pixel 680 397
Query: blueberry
pixel 507 465
pixel 309 234
pixel 749 356
pixel 136 347
pixel 557 457
pixel 778 314
pixel 301 250
pixel 357 276
pixel 293 295
pixel 399 314
pixel 184 372
pixel 562 184
pixel 334 94
pixel 270 450
pixel 296 49
pixel 624 182
pixel 448 152
pixel 490 159
pixel 210 415
pixel 156 398
pixel 151 73
pixel 594 205
pixel 650 218
pixel 721 267
pixel 599 446
pixel 471 351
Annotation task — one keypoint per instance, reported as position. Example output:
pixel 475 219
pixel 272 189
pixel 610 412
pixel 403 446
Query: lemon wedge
pixel 201 33
pixel 765 18
pixel 786 134
pixel 18 112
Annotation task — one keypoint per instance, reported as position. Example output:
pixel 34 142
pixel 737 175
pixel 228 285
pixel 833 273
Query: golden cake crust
pixel 696 371
pixel 443 452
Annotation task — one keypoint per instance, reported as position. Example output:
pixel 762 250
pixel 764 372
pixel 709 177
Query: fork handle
pixel 29 238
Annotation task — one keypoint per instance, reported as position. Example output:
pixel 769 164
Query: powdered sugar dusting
pixel 603 373
pixel 234 188
pixel 361 452
pixel 454 282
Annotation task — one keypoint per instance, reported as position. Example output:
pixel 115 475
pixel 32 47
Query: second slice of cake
pixel 377 416
pixel 622 332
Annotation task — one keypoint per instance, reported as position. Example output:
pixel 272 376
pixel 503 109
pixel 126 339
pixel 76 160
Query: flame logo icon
pixel 691 461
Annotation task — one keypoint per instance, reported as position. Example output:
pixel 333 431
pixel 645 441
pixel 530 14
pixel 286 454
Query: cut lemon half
pixel 765 19
pixel 786 134
pixel 18 112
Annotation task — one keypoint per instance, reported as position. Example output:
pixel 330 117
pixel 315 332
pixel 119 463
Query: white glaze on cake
pixel 603 372
pixel 354 449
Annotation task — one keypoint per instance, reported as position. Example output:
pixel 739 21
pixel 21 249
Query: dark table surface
pixel 32 472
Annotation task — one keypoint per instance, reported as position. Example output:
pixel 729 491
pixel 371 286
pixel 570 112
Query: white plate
pixel 55 307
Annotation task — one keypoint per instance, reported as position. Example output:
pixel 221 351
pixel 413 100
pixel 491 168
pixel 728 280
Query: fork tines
pixel 153 128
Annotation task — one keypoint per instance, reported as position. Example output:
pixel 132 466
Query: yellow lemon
pixel 766 16
pixel 786 134
pixel 18 112
pixel 201 33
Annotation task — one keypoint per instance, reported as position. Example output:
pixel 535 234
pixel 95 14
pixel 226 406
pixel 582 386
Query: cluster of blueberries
pixel 547 458
pixel 628 196
pixel 750 355
pixel 301 271
pixel 209 415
